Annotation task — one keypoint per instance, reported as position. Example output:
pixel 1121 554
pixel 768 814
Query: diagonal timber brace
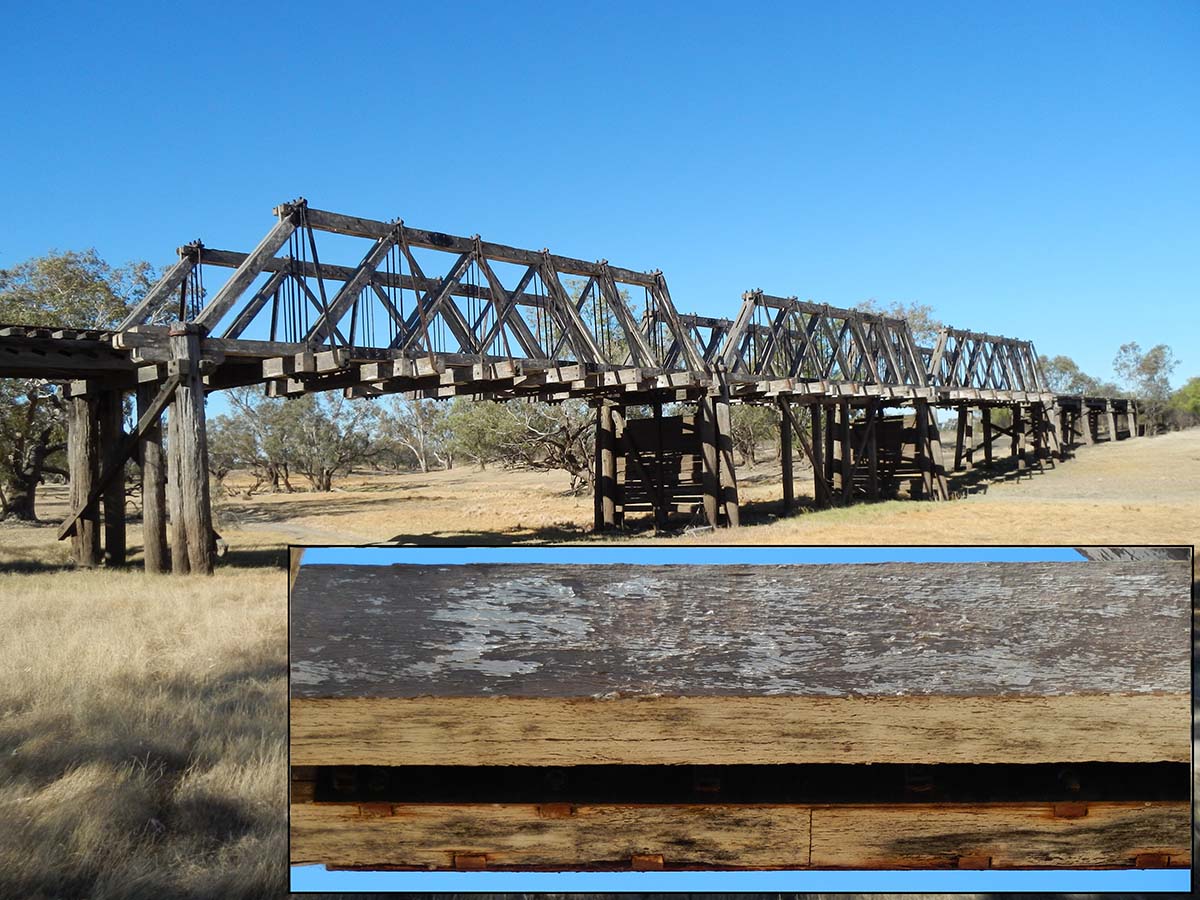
pixel 116 461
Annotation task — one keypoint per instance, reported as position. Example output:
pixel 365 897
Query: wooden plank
pixel 528 835
pixel 439 664
pixel 726 730
pixel 739 836
pixel 1017 835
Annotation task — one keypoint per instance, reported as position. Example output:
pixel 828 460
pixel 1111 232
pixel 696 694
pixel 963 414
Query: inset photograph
pixel 739 711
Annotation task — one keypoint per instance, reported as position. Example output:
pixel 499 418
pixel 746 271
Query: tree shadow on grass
pixel 162 729
pixel 331 504
pixel 550 534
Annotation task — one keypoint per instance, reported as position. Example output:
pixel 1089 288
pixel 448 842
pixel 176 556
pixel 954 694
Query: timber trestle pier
pixel 431 315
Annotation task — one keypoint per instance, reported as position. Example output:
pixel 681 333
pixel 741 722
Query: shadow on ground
pixel 108 797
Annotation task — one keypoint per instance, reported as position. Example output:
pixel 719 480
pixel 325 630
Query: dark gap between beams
pixel 880 783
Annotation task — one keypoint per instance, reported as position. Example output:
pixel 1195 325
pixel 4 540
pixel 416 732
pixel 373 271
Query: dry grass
pixel 142 719
pixel 142 735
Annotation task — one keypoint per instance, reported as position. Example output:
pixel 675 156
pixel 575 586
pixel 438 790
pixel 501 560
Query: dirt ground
pixel 1135 491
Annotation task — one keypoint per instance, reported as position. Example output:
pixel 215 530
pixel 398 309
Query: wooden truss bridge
pixel 433 315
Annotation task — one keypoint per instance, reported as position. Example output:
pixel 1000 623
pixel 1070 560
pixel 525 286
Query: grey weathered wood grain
pixel 885 630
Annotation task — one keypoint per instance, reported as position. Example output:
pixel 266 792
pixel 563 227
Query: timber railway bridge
pixel 433 315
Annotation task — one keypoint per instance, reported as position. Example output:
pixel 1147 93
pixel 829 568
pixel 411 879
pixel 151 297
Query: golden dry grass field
pixel 142 719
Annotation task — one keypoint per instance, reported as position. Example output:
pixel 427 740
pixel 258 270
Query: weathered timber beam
pixel 118 456
pixel 166 287
pixel 666 308
pixel 642 355
pixel 245 273
pixel 717 835
pixel 257 302
pixel 337 223
pixel 334 272
pixel 322 329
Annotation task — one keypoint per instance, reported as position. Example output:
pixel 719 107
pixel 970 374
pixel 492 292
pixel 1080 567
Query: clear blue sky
pixel 1025 168
pixel 315 878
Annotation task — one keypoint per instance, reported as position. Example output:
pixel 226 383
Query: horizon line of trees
pixel 313 439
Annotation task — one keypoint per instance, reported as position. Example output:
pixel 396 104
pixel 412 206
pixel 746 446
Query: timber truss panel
pixel 416 294
pixel 785 338
pixel 974 361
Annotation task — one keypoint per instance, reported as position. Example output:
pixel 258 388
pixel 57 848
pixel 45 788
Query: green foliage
pixel 1147 376
pixel 921 320
pixel 1185 403
pixel 1063 376
pixel 72 289
pixel 33 436
pixel 317 436
pixel 751 426
pixel 64 289
pixel 475 426
pixel 528 435
pixel 416 432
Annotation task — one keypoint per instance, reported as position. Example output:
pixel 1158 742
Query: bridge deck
pixel 106 360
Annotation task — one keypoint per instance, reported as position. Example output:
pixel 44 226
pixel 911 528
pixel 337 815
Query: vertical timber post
pixel 847 467
pixel 1085 412
pixel 1018 438
pixel 83 459
pixel 1037 423
pixel 785 455
pixel 729 492
pixel 710 459
pixel 111 414
pixel 1110 420
pixel 190 455
pixel 818 447
pixel 1053 434
pixel 1131 415
pixel 154 498
pixel 969 440
pixel 924 466
pixel 179 556
pixel 937 464
pixel 606 467
pixel 874 414
pixel 660 478
pixel 985 417
pixel 619 463
pixel 832 475
pixel 961 437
